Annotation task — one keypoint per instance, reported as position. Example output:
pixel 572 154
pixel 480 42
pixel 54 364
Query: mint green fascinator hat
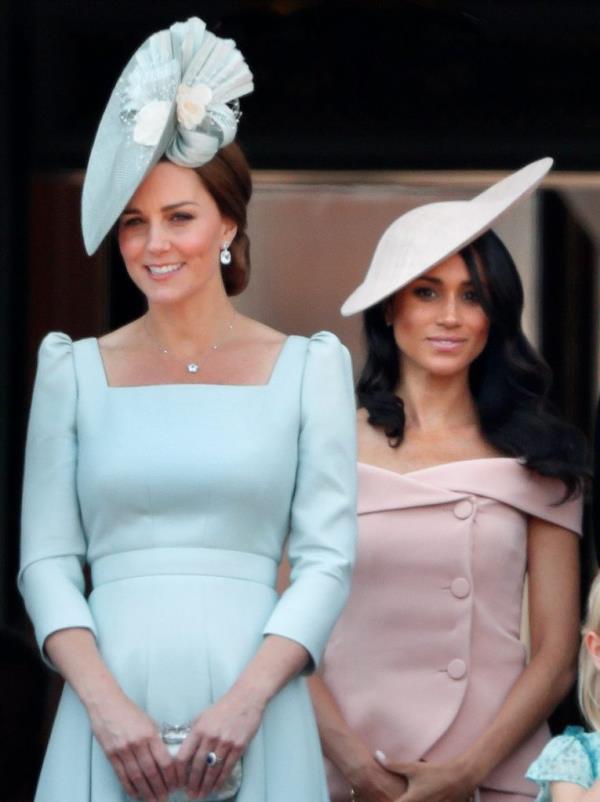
pixel 178 96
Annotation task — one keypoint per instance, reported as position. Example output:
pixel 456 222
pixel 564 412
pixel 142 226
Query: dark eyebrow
pixel 167 208
pixel 438 281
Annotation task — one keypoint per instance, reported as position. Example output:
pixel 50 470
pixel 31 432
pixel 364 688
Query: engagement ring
pixel 212 759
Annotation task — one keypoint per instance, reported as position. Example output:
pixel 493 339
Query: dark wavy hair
pixel 509 380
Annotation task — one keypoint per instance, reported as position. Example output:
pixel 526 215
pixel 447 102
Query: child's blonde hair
pixel 588 681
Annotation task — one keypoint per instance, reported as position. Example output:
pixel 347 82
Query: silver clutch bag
pixel 173 736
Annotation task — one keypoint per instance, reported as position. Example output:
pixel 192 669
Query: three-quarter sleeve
pixel 322 537
pixel 53 543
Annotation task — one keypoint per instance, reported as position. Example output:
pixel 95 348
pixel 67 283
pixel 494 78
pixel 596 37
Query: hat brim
pixel 428 235
pixel 117 163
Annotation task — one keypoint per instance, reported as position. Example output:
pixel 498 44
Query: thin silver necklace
pixel 194 366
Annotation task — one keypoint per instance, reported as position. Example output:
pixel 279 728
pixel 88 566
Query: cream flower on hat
pixel 191 104
pixel 150 122
pixel 177 97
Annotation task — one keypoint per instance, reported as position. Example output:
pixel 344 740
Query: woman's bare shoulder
pixel 363 427
pixel 254 350
pixel 367 434
pixel 362 417
pixel 122 338
pixel 257 333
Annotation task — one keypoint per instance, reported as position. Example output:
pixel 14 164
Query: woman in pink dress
pixel 467 482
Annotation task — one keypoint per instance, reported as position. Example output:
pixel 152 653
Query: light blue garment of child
pixel 573 757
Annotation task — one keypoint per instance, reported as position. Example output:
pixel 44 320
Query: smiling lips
pixel 446 344
pixel 162 271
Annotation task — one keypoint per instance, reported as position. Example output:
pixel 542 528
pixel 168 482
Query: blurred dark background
pixel 410 84
pixel 397 84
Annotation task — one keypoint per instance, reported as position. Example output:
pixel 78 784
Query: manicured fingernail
pixel 380 756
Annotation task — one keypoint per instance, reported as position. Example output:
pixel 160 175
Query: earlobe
pixel 592 644
pixel 229 231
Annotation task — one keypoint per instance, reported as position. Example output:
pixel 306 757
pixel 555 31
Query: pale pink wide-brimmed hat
pixel 425 236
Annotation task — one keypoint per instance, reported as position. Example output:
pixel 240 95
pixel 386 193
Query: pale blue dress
pixel 180 498
pixel 573 757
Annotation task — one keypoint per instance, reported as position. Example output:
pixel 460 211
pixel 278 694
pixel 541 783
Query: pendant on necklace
pixel 192 367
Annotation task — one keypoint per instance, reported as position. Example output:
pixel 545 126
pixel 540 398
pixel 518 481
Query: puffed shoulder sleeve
pixel 322 536
pixel 53 544
pixel 565 758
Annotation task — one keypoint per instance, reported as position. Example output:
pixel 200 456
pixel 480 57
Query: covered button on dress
pixel 180 498
pixel 428 647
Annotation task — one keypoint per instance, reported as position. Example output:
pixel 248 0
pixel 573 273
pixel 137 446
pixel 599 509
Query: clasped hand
pixel 130 740
pixel 225 729
pixel 430 782
pixel 146 770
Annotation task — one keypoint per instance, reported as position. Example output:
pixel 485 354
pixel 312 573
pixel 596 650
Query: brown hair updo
pixel 227 178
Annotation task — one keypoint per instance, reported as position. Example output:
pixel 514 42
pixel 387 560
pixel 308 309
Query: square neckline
pixel 108 386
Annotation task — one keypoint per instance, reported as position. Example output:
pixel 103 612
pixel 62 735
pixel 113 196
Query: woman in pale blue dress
pixel 176 456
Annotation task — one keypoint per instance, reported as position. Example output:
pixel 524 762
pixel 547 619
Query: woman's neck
pixel 190 325
pixel 432 402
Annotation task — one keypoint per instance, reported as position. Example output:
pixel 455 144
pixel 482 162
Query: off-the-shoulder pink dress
pixel 429 646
